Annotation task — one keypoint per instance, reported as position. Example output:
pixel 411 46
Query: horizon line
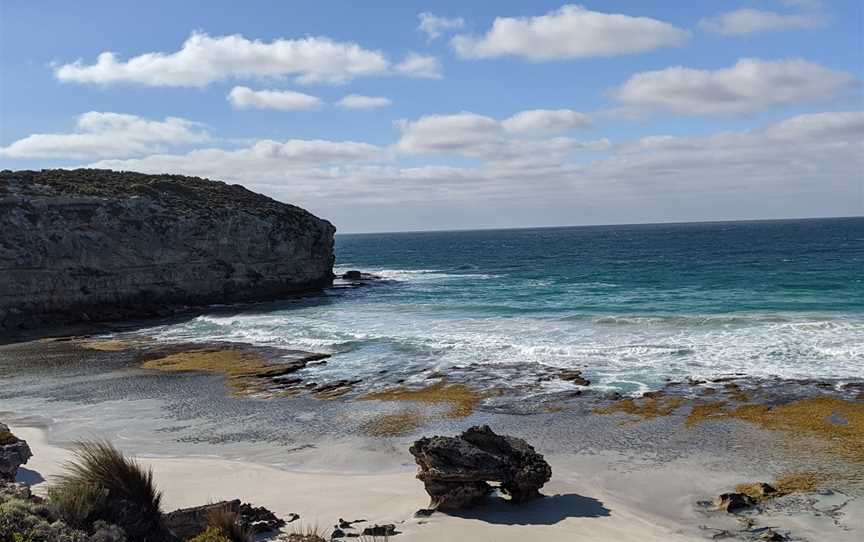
pixel 599 225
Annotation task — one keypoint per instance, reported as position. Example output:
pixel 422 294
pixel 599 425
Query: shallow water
pixel 631 305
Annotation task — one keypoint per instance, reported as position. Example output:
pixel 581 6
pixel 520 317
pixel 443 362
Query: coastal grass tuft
pixel 211 534
pixel 394 425
pixel 101 484
pixel 462 399
pixel 226 522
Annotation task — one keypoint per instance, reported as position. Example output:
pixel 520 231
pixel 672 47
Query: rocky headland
pixel 96 245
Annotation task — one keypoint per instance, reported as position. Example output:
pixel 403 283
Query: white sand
pixel 587 499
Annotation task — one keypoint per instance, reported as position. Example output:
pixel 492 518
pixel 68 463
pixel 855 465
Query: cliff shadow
pixel 547 510
pixel 29 477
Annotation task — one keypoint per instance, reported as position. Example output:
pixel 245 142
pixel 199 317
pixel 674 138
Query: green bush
pixel 22 521
pixel 101 484
pixel 226 522
pixel 212 534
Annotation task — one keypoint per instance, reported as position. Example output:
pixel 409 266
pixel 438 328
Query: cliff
pixel 84 245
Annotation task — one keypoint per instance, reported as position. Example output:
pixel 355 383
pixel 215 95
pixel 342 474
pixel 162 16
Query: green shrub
pixel 22 521
pixel 101 484
pixel 212 534
pixel 226 522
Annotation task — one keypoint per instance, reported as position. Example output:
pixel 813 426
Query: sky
pixel 396 116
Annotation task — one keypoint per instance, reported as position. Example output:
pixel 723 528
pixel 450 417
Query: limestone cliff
pixel 81 245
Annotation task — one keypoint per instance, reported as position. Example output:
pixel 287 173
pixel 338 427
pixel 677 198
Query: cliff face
pixel 79 245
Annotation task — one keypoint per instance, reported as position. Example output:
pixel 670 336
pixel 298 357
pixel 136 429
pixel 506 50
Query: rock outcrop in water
pixel 82 245
pixel 457 470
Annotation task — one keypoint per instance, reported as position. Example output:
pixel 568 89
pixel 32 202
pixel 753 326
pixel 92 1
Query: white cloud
pixel 108 135
pixel 807 165
pixel 744 22
pixel 203 60
pixel 356 101
pixel 420 66
pixel 433 26
pixel 749 86
pixel 570 32
pixel 545 121
pixel 477 136
pixel 286 100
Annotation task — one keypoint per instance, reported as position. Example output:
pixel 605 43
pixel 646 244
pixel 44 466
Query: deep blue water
pixel 632 305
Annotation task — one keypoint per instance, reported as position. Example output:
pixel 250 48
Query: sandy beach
pixel 588 499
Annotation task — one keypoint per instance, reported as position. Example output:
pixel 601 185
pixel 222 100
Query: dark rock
pixel 189 522
pixel 337 533
pixel 357 275
pixel 14 452
pixel 424 512
pixel 96 245
pixel 772 536
pixel 574 377
pixel 259 519
pixel 733 502
pixel 456 471
pixel 380 530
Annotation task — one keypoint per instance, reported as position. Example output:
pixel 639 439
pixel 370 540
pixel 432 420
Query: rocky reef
pixel 92 245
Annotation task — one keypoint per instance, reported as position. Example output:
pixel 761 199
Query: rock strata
pixel 456 471
pixel 87 245
pixel 14 452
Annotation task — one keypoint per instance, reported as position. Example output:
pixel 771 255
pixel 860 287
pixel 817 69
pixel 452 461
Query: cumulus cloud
pixel 744 22
pixel 286 100
pixel 420 66
pixel 545 121
pixel 749 86
pixel 356 101
pixel 478 136
pixel 108 135
pixel 203 59
pixel 570 32
pixel 433 25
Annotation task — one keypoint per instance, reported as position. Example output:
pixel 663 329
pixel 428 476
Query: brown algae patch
pixel 394 425
pixel 462 399
pixel 646 408
pixel 105 345
pixel 239 366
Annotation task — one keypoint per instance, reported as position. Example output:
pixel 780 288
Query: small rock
pixel 424 512
pixel 733 502
pixel 574 376
pixel 14 452
pixel 380 530
pixel 772 536
pixel 337 533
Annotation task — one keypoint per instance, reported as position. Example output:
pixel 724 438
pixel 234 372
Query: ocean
pixel 631 306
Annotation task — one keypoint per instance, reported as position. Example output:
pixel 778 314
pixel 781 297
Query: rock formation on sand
pixel 81 245
pixel 457 470
pixel 14 452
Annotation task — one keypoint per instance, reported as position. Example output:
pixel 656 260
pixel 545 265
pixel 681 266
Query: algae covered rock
pixel 81 245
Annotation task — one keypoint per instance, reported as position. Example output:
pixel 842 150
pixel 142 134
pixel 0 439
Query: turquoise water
pixel 631 305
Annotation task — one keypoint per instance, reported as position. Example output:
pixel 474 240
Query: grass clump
pixel 212 534
pixel 226 522
pixel 102 485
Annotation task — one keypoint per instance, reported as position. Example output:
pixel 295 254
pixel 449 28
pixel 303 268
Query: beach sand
pixel 586 500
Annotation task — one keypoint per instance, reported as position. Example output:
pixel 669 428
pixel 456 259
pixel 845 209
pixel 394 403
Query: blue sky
pixel 632 111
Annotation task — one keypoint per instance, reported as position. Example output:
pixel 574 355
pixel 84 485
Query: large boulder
pixel 87 244
pixel 456 471
pixel 14 452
